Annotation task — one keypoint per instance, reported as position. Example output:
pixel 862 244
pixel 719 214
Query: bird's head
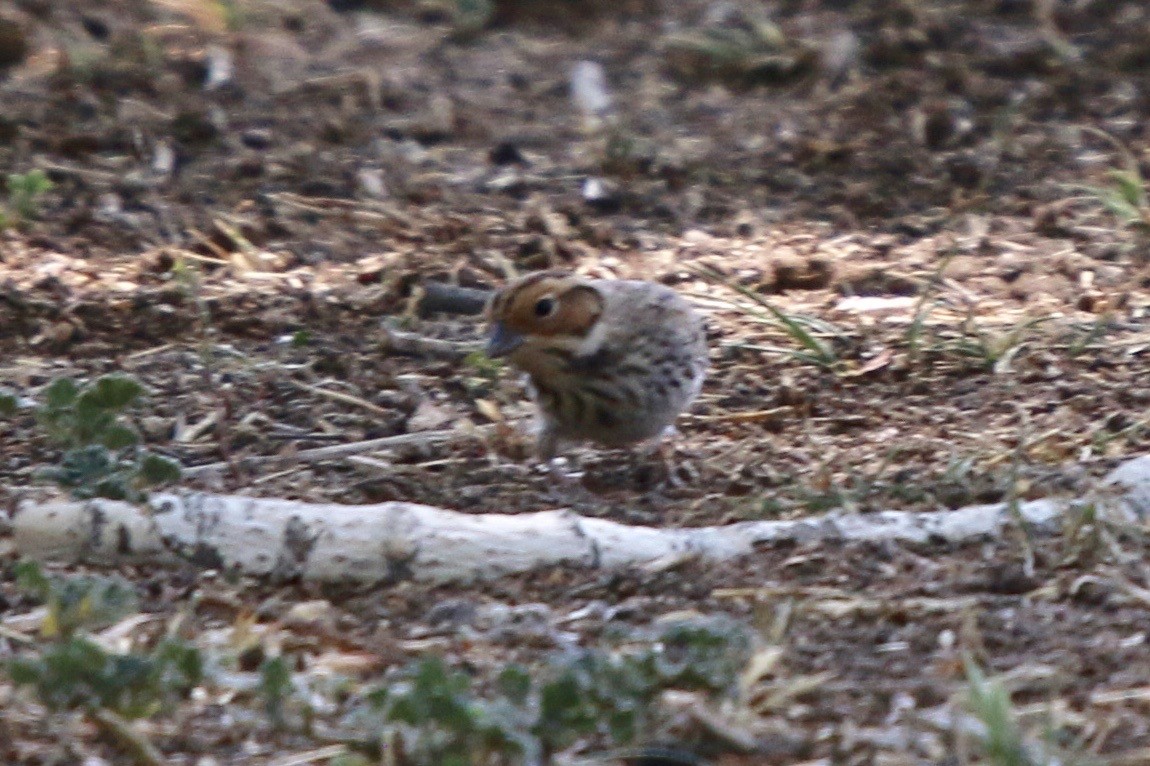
pixel 545 310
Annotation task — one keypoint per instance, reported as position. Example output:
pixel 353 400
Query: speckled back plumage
pixel 615 362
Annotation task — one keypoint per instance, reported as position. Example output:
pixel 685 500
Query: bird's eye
pixel 544 307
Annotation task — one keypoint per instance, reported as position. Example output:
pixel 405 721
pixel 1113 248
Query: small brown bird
pixel 610 361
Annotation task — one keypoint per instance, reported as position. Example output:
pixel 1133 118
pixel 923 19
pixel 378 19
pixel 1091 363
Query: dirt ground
pixel 247 198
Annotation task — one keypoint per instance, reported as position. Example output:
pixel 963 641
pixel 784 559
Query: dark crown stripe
pixel 539 276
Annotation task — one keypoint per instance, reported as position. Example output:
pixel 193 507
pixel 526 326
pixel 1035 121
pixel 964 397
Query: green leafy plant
pixel 77 601
pixel 433 715
pixel 74 672
pixel 102 456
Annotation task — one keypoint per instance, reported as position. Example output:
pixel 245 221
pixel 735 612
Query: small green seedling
pixel 484 366
pixel 275 686
pixel 8 403
pixel 25 191
pixel 990 703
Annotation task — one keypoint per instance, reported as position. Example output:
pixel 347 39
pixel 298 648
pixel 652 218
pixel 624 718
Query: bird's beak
pixel 502 341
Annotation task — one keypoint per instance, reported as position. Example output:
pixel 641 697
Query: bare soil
pixel 245 203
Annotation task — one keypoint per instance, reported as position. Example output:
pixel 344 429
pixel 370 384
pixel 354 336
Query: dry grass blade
pixel 138 747
pixel 312 756
pixel 339 396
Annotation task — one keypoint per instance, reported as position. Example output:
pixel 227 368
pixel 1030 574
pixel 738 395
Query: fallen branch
pixel 440 297
pixel 396 541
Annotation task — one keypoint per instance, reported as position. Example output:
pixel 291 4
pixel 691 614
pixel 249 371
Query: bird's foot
pixel 566 484
pixel 662 449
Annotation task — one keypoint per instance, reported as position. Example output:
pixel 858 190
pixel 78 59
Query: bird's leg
pixel 566 485
pixel 546 448
pixel 663 446
pixel 546 442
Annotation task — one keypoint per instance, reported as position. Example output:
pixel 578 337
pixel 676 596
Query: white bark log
pixel 395 541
